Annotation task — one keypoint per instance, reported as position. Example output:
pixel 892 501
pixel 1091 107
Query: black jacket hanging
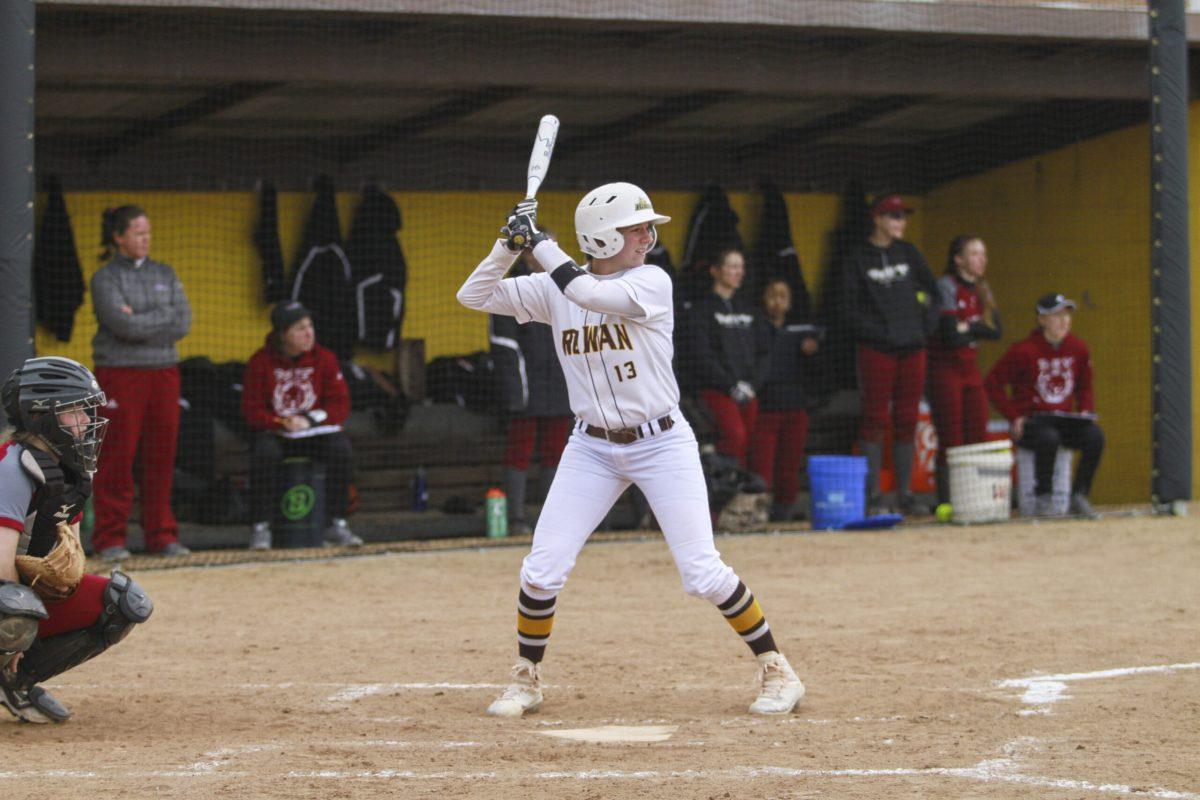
pixel 836 359
pixel 712 228
pixel 57 279
pixel 378 269
pixel 266 241
pixel 775 256
pixel 321 279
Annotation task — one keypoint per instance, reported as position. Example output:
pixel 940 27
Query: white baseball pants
pixel 591 477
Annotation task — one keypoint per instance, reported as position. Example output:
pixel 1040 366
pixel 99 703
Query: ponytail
pixel 114 222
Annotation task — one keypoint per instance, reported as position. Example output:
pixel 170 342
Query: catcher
pixel 53 617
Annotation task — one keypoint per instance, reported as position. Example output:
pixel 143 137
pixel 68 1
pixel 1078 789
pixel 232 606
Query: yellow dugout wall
pixel 206 237
pixel 1076 220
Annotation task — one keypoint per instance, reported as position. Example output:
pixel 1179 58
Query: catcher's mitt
pixel 55 575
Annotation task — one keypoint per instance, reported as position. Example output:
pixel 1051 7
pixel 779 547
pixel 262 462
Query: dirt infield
pixel 1051 661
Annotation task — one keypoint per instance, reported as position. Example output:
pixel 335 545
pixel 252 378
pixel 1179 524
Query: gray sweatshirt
pixel 161 314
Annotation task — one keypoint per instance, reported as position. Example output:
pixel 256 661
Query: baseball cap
pixel 890 204
pixel 1049 303
pixel 287 313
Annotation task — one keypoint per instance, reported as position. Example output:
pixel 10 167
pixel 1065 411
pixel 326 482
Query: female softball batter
pixel 612 324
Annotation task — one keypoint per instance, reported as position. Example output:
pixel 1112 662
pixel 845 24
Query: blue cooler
pixel 838 487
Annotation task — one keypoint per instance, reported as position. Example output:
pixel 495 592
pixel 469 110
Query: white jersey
pixel 613 337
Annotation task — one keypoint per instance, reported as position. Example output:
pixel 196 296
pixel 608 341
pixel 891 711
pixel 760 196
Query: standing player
pixel 613 323
pixel 890 299
pixel 960 406
pixel 52 617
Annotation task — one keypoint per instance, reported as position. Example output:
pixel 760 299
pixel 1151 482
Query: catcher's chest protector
pixel 54 500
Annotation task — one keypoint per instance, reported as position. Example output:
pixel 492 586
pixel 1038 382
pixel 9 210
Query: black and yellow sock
pixel 744 615
pixel 535 618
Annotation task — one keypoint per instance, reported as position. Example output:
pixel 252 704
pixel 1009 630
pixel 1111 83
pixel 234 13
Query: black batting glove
pixel 522 230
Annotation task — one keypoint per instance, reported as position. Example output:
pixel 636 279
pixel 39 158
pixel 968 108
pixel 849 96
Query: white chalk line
pixel 1042 691
pixel 1001 770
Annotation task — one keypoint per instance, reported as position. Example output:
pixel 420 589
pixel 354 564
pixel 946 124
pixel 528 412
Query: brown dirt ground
pixel 308 680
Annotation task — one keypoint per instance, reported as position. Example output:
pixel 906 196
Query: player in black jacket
pixel 781 431
pixel 891 299
pixel 534 393
pixel 728 351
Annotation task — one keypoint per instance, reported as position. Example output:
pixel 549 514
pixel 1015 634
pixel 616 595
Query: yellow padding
pixel 748 618
pixel 534 627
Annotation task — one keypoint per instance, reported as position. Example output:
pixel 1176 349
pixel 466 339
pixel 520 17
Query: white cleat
pixel 523 694
pixel 781 689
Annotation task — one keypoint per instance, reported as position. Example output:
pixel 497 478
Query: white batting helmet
pixel 606 208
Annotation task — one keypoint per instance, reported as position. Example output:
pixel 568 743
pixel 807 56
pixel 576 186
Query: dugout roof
pixel 906 95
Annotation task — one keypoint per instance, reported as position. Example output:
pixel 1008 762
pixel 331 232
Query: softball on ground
pixel 944 511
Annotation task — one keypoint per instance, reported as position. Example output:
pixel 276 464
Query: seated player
pixel 1043 386
pixel 52 616
pixel 295 400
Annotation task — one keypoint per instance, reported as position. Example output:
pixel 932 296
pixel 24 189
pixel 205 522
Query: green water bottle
pixel 497 514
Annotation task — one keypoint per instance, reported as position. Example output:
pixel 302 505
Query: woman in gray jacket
pixel 142 310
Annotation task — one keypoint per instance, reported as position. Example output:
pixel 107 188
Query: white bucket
pixel 981 481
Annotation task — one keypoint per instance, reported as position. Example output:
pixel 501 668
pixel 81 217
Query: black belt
pixel 629 435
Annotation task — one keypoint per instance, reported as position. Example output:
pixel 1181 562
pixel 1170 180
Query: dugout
pixel 1024 122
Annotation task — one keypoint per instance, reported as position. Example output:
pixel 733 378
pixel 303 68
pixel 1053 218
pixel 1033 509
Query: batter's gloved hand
pixel 522 230
pixel 742 393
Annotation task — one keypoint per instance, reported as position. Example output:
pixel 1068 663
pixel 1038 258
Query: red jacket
pixel 276 386
pixel 1042 377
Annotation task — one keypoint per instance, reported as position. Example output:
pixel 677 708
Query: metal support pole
pixel 1170 313
pixel 16 184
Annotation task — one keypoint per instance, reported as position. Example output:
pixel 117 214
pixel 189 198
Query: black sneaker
pixel 35 705
pixel 909 506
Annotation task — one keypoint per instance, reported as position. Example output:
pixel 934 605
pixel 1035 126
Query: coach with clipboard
pixel 1043 386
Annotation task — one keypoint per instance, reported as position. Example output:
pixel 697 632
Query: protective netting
pixel 363 163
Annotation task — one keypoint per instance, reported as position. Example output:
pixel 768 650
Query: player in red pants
pixel 968 315
pixel 142 311
pixel 781 430
pixel 534 392
pixel 728 350
pixel 891 302
pixel 45 480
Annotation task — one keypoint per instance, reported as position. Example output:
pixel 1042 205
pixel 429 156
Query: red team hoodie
pixel 276 386
pixel 1043 378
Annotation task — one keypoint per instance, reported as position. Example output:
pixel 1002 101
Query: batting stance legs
pixel 591 476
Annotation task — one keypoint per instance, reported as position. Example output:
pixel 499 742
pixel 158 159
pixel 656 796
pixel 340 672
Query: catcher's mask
pixel 58 400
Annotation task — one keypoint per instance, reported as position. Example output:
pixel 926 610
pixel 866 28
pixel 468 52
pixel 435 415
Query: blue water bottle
pixel 420 491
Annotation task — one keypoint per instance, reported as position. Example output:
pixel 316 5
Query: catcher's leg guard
pixel 125 605
pixel 20 611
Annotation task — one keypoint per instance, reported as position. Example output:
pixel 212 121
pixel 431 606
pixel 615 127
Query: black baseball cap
pixel 1049 303
pixel 287 313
